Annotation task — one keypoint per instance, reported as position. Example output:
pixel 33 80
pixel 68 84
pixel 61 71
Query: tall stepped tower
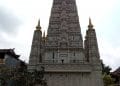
pixel 61 52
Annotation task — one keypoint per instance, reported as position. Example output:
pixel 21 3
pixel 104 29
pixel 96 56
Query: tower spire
pixel 44 34
pixel 44 38
pixel 39 22
pixel 38 27
pixel 62 23
pixel 90 26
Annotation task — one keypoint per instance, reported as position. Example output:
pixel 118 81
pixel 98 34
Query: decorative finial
pixel 44 34
pixel 90 23
pixel 44 38
pixel 38 26
pixel 39 22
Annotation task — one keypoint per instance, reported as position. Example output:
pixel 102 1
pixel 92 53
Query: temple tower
pixel 64 39
pixel 92 54
pixel 66 61
pixel 36 48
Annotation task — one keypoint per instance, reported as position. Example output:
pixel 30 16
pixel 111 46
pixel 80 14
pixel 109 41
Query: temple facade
pixel 67 59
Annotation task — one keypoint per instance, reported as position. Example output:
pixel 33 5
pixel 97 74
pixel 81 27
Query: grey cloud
pixel 4 43
pixel 9 23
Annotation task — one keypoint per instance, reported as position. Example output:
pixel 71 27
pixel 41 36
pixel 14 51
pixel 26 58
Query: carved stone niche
pixel 63 44
pixel 64 5
pixel 64 25
pixel 64 15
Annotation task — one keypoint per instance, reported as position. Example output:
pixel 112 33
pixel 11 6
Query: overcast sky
pixel 18 19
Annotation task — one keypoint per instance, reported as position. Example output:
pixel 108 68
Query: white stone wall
pixel 66 55
pixel 68 79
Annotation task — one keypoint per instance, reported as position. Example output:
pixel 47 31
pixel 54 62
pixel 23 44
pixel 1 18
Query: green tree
pixel 107 79
pixel 18 77
pixel 106 69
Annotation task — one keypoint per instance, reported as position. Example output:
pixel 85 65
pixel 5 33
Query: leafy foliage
pixel 106 69
pixel 16 77
pixel 107 79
